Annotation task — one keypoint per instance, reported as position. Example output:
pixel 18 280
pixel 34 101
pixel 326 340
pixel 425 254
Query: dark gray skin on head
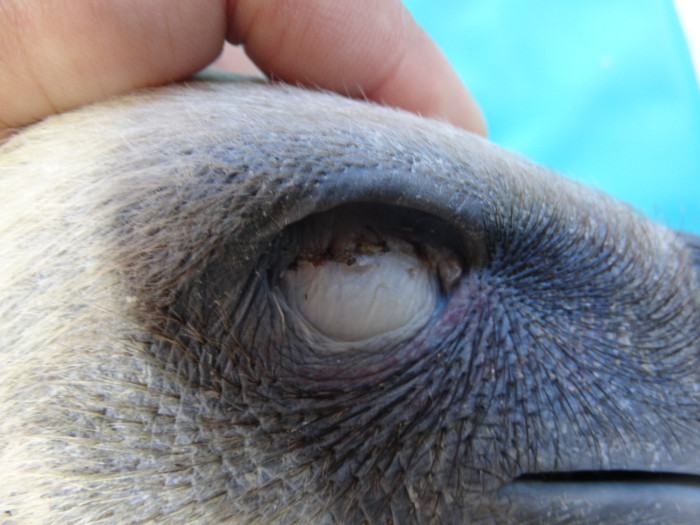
pixel 153 371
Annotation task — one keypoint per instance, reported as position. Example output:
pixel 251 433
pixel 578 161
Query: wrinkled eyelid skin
pixel 187 412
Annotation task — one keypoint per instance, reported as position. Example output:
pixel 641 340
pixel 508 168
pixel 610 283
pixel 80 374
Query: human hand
pixel 56 55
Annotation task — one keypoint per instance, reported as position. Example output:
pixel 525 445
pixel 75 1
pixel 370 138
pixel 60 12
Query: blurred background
pixel 602 91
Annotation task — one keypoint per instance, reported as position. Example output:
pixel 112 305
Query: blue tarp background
pixel 602 91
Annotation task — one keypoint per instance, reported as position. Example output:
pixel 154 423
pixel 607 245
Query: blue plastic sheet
pixel 602 91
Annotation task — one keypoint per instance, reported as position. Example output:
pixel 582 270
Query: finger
pixel 60 54
pixel 362 48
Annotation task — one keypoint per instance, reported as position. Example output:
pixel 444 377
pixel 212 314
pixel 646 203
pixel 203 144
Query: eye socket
pixel 361 272
pixel 249 320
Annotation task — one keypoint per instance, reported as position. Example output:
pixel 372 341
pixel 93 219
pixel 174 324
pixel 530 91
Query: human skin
pixel 59 54
pixel 155 368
